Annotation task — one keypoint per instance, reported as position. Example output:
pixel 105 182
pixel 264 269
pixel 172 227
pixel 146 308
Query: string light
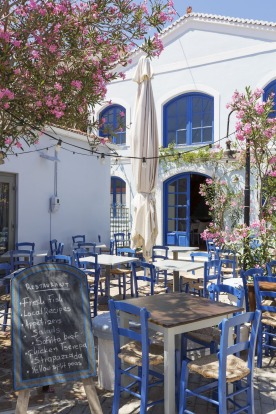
pixel 58 145
pixel 93 151
pixel 144 162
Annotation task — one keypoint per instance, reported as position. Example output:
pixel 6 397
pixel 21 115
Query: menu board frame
pixel 29 300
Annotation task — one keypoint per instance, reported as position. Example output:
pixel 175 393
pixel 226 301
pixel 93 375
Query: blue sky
pixel 248 9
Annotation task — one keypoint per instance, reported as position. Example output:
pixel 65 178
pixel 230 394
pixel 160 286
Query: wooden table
pixel 269 286
pixel 177 266
pixel 181 249
pixel 174 314
pixel 109 260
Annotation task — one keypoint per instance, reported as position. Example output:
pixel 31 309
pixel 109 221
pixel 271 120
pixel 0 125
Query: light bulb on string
pixel 102 159
pixel 58 146
pixel 144 162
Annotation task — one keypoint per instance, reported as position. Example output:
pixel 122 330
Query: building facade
pixel 205 59
pixel 54 192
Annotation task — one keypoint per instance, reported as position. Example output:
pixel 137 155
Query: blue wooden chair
pixel 145 280
pixel 246 276
pixel 189 285
pixel 211 274
pixel 19 259
pixel 210 337
pixel 223 369
pixel 266 304
pixel 121 240
pixel 5 298
pixel 93 273
pixel 88 246
pixel 160 252
pixel 271 268
pixel 26 246
pixel 212 249
pixel 136 358
pixel 79 238
pixel 59 258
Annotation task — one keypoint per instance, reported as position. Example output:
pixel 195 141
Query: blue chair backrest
pixel 21 259
pixel 267 305
pixel 59 258
pixel 136 332
pixel 212 271
pixel 88 246
pixel 25 246
pixel 159 252
pixel 53 246
pixel 245 275
pixel 271 268
pixel 212 249
pixel 235 323
pixel 149 275
pixel 215 290
pixel 79 238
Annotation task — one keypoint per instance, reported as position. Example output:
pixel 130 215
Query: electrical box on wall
pixel 54 204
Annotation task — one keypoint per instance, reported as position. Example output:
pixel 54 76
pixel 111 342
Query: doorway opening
pixel 185 212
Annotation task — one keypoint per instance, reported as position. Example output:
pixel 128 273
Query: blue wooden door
pixel 177 210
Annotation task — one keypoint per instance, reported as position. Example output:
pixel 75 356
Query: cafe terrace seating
pixel 145 284
pixel 160 252
pixel 25 246
pixel 193 285
pixel 5 269
pixel 271 268
pixel 210 337
pixel 136 358
pixel 224 368
pixel 246 276
pixel 266 304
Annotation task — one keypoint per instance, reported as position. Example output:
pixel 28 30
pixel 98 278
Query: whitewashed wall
pixel 214 56
pixel 83 186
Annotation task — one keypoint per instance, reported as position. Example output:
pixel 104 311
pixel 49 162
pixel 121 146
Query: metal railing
pixel 119 219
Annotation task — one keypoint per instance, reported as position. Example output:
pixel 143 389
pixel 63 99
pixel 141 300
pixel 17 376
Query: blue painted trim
pixel 271 87
pixel 189 115
pixel 112 112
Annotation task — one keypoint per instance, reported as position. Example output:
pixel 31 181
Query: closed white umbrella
pixel 144 144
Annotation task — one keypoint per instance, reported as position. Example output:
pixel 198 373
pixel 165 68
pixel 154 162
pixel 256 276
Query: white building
pixel 44 199
pixel 205 59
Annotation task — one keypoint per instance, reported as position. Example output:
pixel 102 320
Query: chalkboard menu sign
pixel 51 326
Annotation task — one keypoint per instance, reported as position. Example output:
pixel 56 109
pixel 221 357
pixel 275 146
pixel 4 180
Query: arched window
pixel 117 191
pixel 271 88
pixel 189 120
pixel 113 124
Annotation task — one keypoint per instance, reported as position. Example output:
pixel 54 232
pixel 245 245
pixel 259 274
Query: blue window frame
pixel 117 191
pixel 114 126
pixel 271 88
pixel 189 120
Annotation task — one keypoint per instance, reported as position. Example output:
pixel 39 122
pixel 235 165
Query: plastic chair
pixel 271 268
pixel 146 284
pixel 266 304
pixel 160 252
pixel 225 368
pixel 134 360
pixel 210 337
pixel 246 275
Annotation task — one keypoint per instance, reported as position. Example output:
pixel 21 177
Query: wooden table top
pixel 263 285
pixel 173 309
